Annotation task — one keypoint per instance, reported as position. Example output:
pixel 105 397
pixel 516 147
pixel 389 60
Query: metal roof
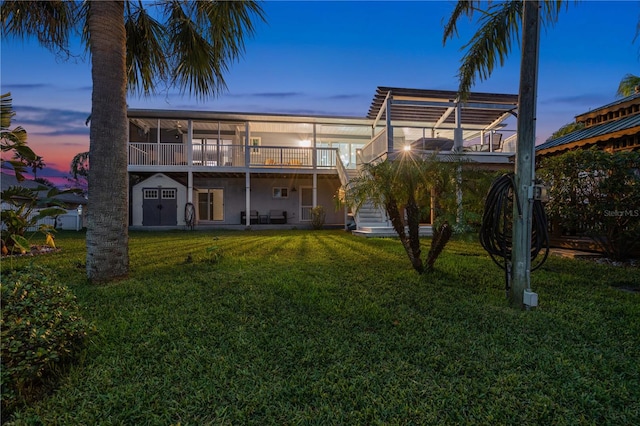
pixel 595 133
pixel 621 101
pixel 433 107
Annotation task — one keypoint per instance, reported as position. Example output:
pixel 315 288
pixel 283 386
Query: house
pixel 72 202
pixel 215 167
pixel 611 127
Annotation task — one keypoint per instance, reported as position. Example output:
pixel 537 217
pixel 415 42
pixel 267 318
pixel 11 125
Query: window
pixel 150 194
pixel 280 192
pixel 169 194
pixel 254 141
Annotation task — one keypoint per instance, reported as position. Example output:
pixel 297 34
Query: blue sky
pixel 328 58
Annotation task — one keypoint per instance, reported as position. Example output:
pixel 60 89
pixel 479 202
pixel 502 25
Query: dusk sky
pixel 328 58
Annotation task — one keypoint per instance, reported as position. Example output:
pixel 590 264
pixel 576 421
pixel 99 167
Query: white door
pixel 306 203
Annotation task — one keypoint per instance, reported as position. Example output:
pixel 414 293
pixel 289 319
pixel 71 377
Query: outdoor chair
pixel 253 217
pixel 277 216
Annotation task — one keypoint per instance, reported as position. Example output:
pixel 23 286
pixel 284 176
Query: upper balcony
pixel 399 119
pixel 209 142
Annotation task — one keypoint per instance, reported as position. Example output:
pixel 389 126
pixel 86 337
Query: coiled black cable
pixel 496 231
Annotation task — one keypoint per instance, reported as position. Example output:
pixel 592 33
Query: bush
pixel 317 217
pixel 41 329
pixel 596 194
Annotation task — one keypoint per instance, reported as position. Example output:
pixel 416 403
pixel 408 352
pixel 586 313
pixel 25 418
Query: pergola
pixel 441 112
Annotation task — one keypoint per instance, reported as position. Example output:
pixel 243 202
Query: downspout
pixel 247 178
pixel 314 191
pixel 157 159
pixel 457 147
pixel 190 162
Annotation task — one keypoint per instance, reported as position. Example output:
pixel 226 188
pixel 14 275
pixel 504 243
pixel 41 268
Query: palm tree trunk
pixel 395 215
pixel 107 216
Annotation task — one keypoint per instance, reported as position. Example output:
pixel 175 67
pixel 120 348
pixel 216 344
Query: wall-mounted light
pixel 407 147
pixel 305 143
pixel 293 189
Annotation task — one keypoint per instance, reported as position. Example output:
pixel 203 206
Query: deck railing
pixel 175 154
pixel 151 154
pixel 218 155
pixel 276 156
pixel 374 149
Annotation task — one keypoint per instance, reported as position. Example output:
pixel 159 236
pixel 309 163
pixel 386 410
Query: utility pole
pixel 525 155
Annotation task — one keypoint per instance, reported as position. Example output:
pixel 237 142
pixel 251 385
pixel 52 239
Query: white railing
pixel 170 154
pixel 218 155
pixel 376 148
pixel 273 156
pixel 326 158
pixel 342 171
pixel 151 154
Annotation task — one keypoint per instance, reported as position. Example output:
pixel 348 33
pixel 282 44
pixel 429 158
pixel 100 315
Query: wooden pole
pixel 525 157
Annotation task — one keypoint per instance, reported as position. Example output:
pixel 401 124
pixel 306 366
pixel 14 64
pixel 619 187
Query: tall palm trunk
pixel 107 216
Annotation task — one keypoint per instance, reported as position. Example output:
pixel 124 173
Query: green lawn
pixel 300 327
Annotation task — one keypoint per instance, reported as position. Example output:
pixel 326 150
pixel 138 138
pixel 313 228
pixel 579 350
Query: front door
pixel 159 207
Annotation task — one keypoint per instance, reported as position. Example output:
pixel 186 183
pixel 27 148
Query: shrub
pixel 41 329
pixel 596 194
pixel 317 217
pixel 23 215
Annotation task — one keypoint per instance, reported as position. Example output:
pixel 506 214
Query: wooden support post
pixel 525 157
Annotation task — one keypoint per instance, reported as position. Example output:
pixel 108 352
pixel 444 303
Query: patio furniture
pixel 277 216
pixel 253 217
pixel 433 144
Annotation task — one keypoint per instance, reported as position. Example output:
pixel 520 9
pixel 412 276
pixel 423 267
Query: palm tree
pixel 402 186
pixel 191 48
pixel 629 85
pixel 13 140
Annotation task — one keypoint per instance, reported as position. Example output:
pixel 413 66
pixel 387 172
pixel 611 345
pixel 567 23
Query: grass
pixel 300 327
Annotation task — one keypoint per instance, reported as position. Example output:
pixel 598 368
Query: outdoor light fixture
pixel 306 143
pixel 407 147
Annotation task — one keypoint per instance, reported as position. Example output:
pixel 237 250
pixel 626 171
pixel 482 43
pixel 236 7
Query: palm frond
pixel 490 45
pixel 498 28
pixel 205 37
pixel 462 8
pixel 51 22
pixel 146 46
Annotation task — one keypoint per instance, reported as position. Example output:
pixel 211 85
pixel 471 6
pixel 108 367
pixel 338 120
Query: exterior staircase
pixel 372 221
